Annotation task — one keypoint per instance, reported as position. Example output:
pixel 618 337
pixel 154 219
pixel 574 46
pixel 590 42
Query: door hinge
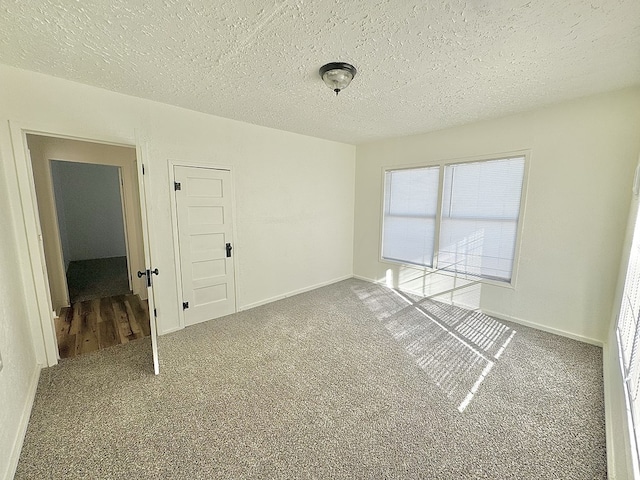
pixel 155 312
pixel 143 168
pixel 177 186
pixel 185 305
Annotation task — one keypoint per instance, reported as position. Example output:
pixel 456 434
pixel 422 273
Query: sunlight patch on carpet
pixel 455 347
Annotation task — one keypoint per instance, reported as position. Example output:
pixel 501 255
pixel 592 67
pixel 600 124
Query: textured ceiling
pixel 421 65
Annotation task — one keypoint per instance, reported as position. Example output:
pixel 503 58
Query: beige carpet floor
pixel 352 380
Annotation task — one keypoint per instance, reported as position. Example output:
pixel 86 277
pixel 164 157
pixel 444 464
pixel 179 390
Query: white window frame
pixel 628 368
pixel 436 246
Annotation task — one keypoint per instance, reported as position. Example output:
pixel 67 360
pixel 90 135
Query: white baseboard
pixel 367 279
pixel 169 330
pixel 508 318
pixel 544 328
pixel 14 456
pixel 292 293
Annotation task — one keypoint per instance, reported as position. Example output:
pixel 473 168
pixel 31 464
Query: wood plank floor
pixel 101 323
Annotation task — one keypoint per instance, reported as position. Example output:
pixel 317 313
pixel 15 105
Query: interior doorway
pixel 89 210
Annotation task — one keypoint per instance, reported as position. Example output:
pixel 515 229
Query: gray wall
pixel 89 210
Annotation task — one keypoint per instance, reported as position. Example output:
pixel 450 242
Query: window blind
pixel 480 213
pixel 409 220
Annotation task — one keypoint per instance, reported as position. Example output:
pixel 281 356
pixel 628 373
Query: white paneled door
pixel 205 238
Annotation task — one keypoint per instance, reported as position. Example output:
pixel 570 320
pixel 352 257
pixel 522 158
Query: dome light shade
pixel 337 75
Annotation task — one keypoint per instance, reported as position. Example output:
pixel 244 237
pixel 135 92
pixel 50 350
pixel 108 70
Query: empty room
pixel 370 239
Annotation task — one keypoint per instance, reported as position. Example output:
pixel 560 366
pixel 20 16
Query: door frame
pixel 125 225
pixel 36 282
pixel 176 235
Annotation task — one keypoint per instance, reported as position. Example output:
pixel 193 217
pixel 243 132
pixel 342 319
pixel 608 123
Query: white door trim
pixel 176 236
pixel 36 282
pixel 125 224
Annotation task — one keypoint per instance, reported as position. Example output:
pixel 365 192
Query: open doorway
pixel 89 207
pixel 89 210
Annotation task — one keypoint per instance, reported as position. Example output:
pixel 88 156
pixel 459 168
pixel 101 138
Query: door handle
pixel 229 248
pixel 148 274
pixel 154 271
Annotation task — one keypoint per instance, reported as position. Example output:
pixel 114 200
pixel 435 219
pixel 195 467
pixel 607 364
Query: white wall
pixel 294 194
pixel 294 198
pixel 92 209
pixel 583 155
pixel 19 375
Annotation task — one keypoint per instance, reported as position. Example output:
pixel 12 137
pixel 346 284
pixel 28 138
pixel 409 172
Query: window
pixel 410 208
pixel 629 332
pixel 475 229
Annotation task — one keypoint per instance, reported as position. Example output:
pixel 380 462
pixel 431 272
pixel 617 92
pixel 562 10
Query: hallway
pixel 97 278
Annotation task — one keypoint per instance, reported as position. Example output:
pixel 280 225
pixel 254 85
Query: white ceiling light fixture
pixel 337 75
